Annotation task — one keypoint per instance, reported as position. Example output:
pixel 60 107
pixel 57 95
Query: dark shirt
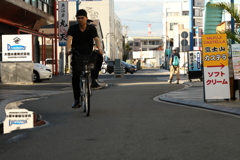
pixel 82 41
pixel 175 54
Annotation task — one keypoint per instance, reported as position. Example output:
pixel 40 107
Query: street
pixel 125 123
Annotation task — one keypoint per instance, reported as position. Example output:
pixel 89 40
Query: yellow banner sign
pixel 215 52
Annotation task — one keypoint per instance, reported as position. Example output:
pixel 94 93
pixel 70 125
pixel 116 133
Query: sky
pixel 137 14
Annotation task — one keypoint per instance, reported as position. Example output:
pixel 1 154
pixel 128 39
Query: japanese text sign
pixel 63 22
pixel 215 62
pixel 194 61
pixel 17 47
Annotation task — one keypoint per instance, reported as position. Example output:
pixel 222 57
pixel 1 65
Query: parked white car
pixel 41 72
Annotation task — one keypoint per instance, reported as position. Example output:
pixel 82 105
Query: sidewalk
pixel 193 95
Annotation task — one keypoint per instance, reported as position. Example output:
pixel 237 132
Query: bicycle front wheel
pixel 87 95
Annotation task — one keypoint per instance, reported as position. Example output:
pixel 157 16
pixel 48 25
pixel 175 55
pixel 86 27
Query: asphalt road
pixel 125 123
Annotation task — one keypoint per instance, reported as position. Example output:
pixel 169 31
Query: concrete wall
pixel 20 72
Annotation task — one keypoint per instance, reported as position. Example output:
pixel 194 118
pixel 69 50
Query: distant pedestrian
pixel 174 66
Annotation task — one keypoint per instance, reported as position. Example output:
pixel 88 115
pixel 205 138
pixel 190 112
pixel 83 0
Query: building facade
pixel 23 18
pixel 103 10
pixel 176 21
pixel 26 17
pixel 148 50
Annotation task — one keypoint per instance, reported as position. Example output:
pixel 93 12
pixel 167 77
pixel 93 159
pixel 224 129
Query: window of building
pixel 185 13
pixel 171 26
pixel 34 3
pixel 45 8
pixel 144 49
pixel 44 5
pixel 39 4
pixel 150 42
pixel 145 43
pixel 136 44
pixel 130 43
pixel 27 1
pixel 157 43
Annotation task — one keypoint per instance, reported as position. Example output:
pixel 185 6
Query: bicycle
pixel 85 62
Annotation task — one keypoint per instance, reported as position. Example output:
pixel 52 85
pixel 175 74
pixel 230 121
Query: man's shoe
pixel 76 104
pixel 169 81
pixel 177 82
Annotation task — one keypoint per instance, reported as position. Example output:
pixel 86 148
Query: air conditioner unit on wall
pixel 184 40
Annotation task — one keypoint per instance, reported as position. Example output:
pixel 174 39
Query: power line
pixel 140 21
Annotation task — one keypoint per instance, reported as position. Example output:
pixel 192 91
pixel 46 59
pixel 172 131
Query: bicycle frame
pixel 84 65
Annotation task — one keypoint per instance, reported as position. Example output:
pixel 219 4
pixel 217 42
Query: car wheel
pixel 131 72
pixel 36 77
pixel 125 71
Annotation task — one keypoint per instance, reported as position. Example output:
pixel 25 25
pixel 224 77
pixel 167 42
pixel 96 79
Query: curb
pixel 4 103
pixel 202 105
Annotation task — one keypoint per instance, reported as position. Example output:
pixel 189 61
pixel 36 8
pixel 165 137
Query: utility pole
pixel 125 37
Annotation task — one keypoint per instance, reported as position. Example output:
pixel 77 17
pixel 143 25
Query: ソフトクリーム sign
pixel 215 63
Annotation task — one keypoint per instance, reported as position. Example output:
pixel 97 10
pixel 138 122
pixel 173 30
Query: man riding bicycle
pixel 80 37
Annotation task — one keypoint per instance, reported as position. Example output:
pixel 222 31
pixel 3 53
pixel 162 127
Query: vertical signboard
pixel 215 63
pixel 236 60
pixel 63 22
pixel 16 47
pixel 194 61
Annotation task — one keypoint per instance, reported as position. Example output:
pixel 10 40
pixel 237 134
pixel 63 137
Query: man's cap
pixel 81 12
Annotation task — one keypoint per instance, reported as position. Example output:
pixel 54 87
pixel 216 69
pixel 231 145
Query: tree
pixel 126 52
pixel 233 11
pixel 231 35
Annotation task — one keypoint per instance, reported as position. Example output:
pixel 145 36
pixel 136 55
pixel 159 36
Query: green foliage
pixel 233 11
pixel 126 52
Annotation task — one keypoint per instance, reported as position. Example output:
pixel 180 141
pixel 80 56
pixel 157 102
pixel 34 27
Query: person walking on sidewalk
pixel 80 37
pixel 174 66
